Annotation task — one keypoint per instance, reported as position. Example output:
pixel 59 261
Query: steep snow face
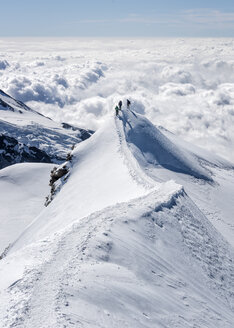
pixel 154 261
pixel 207 178
pixel 214 199
pixel 23 188
pixel 101 176
pixel 152 147
pixel 205 157
pixel 34 137
pixel 122 245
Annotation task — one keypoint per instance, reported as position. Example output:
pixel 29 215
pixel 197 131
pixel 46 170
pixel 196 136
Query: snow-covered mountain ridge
pixel 28 136
pixel 130 240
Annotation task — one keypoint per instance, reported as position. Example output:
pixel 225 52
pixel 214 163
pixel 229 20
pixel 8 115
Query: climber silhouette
pixel 116 110
pixel 128 103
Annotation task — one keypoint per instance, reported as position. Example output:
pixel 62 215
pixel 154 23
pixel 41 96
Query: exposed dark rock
pixel 12 151
pixel 69 157
pixel 4 253
pixel 36 140
pixel 83 134
pixel 58 176
pixel 5 106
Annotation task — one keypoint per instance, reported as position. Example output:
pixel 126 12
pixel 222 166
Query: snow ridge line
pixel 71 241
pixel 37 278
pixel 134 168
pixel 24 301
pixel 171 202
pixel 141 177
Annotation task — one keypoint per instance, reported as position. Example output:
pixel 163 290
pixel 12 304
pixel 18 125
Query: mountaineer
pixel 128 103
pixel 117 110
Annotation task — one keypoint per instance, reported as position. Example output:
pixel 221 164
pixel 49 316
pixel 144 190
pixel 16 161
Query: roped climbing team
pixel 119 106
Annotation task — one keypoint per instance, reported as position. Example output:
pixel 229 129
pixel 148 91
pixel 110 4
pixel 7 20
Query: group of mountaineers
pixel 119 106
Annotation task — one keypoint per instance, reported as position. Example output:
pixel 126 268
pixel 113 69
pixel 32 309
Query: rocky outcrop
pixel 12 151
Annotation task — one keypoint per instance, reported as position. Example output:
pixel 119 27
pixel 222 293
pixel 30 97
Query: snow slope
pixel 153 147
pixel 122 245
pixel 23 188
pixel 100 170
pixel 207 178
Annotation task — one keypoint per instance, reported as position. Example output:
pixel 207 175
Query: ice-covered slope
pixel 23 188
pixel 120 246
pixel 207 178
pixel 28 136
pixel 215 199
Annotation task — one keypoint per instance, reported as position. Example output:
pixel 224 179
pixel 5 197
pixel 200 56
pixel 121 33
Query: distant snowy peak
pixel 28 136
pixel 9 103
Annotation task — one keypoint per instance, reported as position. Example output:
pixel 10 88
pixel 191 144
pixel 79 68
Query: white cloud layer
pixel 185 85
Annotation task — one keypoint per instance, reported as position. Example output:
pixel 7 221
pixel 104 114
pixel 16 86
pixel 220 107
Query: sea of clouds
pixel 184 85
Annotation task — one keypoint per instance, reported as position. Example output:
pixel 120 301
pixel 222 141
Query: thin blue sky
pixel 123 18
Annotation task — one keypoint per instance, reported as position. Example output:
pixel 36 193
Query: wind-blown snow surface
pixel 121 245
pixel 185 85
pixel 163 156
pixel 23 188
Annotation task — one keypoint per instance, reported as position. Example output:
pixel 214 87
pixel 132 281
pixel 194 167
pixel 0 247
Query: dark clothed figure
pixel 116 110
pixel 128 103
